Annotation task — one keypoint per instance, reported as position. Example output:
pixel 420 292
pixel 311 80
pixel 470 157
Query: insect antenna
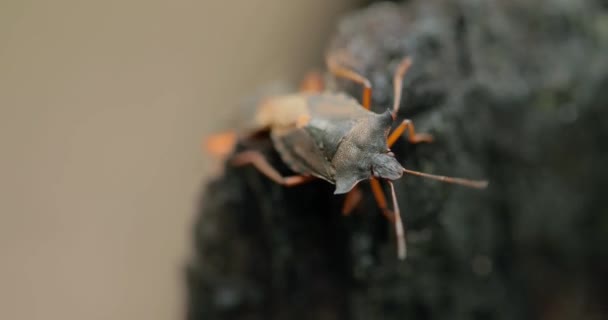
pixel 478 184
pixel 399 230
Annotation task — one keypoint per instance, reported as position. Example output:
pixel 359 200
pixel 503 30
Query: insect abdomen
pixel 282 111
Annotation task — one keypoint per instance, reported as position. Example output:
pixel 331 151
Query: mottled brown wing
pixel 299 151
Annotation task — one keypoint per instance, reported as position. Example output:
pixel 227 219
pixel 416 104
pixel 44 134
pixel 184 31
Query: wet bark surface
pixel 513 91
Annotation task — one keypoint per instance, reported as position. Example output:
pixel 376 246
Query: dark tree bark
pixel 513 91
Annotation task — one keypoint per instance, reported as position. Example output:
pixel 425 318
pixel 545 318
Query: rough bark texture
pixel 513 91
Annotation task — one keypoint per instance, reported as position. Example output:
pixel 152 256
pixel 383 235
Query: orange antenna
pixel 478 184
pixel 399 230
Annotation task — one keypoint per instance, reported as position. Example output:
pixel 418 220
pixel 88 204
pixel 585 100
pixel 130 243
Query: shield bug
pixel 331 136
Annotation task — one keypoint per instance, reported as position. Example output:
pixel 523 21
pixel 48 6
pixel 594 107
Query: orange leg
pixel 381 199
pixel 354 197
pixel 312 82
pixel 351 201
pixel 221 144
pixel 402 68
pixel 341 71
pixel 412 137
pixel 400 72
pixel 407 124
pixel 256 159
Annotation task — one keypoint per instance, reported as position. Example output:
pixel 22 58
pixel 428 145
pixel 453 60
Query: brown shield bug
pixel 331 136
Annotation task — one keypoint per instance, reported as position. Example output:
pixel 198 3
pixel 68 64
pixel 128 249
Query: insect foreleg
pixel 412 137
pixel 353 197
pixel 381 199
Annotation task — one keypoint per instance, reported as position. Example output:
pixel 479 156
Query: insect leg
pixel 221 144
pixel 312 82
pixel 400 72
pixel 351 201
pixel 381 199
pixel 256 159
pixel 412 137
pixel 341 71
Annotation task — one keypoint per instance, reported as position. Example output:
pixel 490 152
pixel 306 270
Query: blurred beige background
pixel 102 108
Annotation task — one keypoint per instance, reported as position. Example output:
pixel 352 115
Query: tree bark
pixel 513 91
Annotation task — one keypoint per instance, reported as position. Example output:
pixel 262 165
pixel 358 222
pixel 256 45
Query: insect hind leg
pixel 256 159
